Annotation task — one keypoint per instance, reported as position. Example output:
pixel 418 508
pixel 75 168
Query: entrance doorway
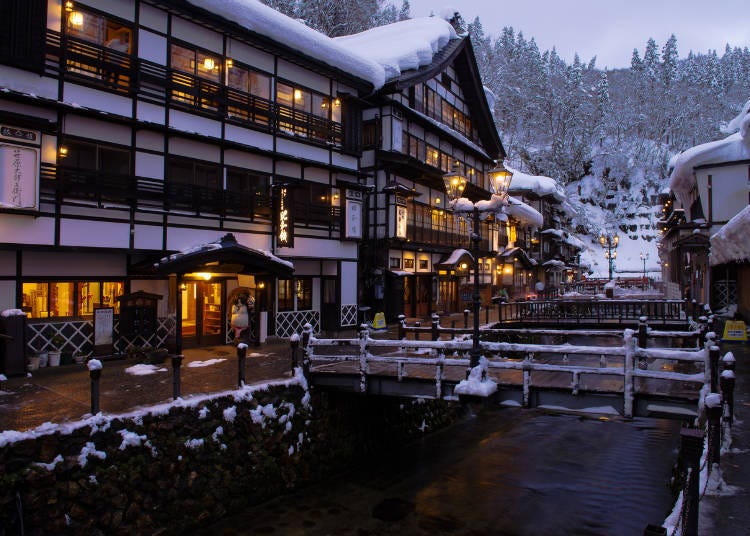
pixel 202 313
pixel 329 304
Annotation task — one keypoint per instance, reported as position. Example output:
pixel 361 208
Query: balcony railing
pixel 65 184
pixel 84 62
pixel 444 237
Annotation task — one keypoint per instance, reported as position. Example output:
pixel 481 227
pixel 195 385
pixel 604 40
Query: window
pixel 195 77
pixel 409 263
pixel 433 156
pixel 316 204
pixel 22 26
pixel 395 263
pixel 247 194
pixel 95 157
pixel 285 295
pixel 194 184
pixel 70 298
pixel 303 293
pixel 113 39
pixel 370 135
pixel 251 99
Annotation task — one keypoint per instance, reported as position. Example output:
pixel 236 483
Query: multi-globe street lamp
pixel 644 258
pixel 499 179
pixel 610 242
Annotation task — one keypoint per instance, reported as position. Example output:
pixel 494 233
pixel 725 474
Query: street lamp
pixel 610 242
pixel 644 258
pixel 455 183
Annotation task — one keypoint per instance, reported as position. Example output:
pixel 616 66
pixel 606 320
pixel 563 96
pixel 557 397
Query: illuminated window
pixel 70 298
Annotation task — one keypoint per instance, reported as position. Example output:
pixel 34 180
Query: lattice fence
pixel 349 315
pixel 78 336
pixel 289 322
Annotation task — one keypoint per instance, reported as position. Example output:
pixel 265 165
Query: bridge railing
pixel 391 357
pixel 593 310
pixel 436 331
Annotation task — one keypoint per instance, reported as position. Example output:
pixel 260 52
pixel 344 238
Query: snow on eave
pixel 730 243
pixel 402 46
pixel 731 149
pixel 538 184
pixel 525 214
pixel 263 20
pixel 735 124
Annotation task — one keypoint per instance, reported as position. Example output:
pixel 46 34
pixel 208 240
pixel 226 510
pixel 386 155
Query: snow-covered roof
pixel 730 243
pixel 525 214
pixel 539 184
pixel 401 46
pixel 733 148
pixel 374 56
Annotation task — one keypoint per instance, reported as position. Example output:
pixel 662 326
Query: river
pixel 506 471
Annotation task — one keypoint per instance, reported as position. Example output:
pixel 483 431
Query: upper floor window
pixel 95 157
pixel 248 193
pixel 294 99
pixel 98 29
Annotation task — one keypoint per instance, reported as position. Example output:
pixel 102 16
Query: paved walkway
pixel 727 513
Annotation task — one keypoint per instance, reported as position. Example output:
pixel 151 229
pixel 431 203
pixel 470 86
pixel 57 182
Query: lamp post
pixel 644 258
pixel 455 183
pixel 610 242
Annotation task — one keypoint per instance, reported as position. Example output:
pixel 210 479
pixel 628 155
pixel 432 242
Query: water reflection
pixel 504 472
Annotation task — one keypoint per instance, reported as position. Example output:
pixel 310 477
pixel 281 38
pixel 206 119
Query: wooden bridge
pixel 634 378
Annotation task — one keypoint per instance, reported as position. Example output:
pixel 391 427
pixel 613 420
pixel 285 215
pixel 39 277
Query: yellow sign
pixel 379 321
pixel 735 330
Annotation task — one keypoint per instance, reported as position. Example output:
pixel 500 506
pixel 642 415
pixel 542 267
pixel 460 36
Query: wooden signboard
pixel 103 330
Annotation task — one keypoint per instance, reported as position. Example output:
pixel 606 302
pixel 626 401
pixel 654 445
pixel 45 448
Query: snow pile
pixel 737 123
pixel 94 364
pixel 130 439
pixel 89 449
pixel 401 46
pixel 143 369
pixel 730 243
pixel 525 214
pixel 12 312
pixel 475 385
pixel 207 363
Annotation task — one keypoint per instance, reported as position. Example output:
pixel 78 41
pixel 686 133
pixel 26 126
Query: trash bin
pixel 13 345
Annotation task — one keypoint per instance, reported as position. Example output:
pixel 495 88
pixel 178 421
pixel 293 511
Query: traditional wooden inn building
pixel 710 187
pixel 136 129
pixel 427 120
pixel 162 159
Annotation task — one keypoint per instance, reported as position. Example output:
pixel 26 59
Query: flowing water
pixel 503 472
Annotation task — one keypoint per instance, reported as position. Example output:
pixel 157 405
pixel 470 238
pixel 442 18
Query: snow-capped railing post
pixel 691 448
pixel 728 362
pixel 466 318
pixel 241 356
pixel 713 359
pixel 306 349
pixel 527 367
pixel 95 371
pixel 713 413
pixel 417 324
pixel 642 332
pixel 727 392
pixel 294 347
pixel 435 326
pixel 176 364
pixel 627 389
pixel 363 336
pixel 401 327
pixel 439 374
pixel 703 328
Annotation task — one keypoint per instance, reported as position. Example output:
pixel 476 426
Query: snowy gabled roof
pixel 730 243
pixel 733 148
pixel 265 21
pixel 402 46
pixel 538 184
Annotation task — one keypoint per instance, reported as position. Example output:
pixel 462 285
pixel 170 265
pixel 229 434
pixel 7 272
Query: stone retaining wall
pixel 174 467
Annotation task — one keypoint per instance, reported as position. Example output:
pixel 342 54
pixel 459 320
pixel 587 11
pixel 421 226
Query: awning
pixel 224 256
pixel 456 257
pixel 516 253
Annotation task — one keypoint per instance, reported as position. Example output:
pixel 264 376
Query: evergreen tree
pixel 651 59
pixel 636 64
pixel 669 61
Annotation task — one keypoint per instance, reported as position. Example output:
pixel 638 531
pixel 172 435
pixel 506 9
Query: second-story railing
pixel 91 64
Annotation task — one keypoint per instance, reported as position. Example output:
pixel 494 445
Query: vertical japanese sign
pixel 18 177
pixel 353 228
pixel 401 217
pixel 284 220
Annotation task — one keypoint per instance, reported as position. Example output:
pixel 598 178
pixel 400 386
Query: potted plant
pixel 54 355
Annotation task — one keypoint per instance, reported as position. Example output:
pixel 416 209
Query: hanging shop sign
pixel 401 216
pixel 19 177
pixel 353 214
pixel 284 219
